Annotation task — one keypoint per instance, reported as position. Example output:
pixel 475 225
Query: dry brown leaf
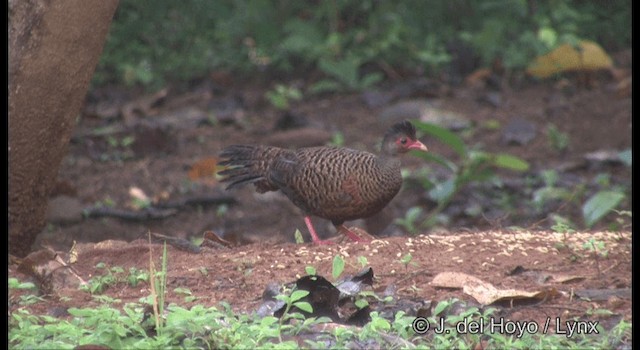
pixel 453 280
pixel 211 239
pixel 562 278
pixel 478 76
pixel 486 293
pixel 205 168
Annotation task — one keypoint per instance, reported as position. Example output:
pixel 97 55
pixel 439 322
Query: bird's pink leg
pixel 312 231
pixel 354 237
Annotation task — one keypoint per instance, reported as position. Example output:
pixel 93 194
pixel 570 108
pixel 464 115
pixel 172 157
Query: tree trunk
pixel 54 47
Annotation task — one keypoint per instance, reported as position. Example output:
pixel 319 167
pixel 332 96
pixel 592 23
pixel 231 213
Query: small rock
pixel 58 311
pixel 557 104
pixel 401 90
pixel 424 111
pixel 64 210
pixel 493 99
pixel 408 109
pixel 603 156
pixel 519 132
pixel 290 121
pixel 374 99
pixel 228 110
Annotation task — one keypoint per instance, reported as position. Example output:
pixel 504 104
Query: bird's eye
pixel 403 141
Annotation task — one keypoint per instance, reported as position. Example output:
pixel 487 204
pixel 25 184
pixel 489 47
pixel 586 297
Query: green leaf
pixel 445 136
pixel 298 294
pixel 406 259
pixel 304 306
pixel 437 159
pixel 268 321
pixel 298 237
pixel 508 161
pixel 324 85
pixel 310 270
pixel 338 266
pixel 443 190
pixel 625 157
pixel 370 79
pixel 599 205
pixel 361 303
pixel 440 307
pixel 379 323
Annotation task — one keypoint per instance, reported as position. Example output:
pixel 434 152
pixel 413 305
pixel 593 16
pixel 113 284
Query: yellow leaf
pixel 587 56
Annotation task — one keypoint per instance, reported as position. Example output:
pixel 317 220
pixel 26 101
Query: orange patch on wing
pixel 350 187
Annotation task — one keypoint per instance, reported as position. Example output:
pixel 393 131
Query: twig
pixel 159 210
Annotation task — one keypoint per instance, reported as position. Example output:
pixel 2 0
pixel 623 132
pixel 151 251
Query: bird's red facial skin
pixel 403 142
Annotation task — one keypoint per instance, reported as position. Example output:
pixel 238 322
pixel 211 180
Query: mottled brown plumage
pixel 335 183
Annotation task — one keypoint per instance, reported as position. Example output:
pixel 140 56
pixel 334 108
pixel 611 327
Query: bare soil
pixel 261 227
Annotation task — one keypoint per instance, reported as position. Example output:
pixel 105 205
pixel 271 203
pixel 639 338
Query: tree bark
pixel 54 47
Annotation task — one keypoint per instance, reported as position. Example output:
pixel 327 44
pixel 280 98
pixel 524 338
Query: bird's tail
pixel 248 164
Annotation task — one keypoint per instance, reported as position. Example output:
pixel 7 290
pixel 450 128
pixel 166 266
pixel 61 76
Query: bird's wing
pixel 322 181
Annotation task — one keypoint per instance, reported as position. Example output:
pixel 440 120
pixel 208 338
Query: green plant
pixel 363 261
pixel 14 283
pixel 98 284
pixel 345 76
pixel 221 327
pixel 410 220
pixel 620 221
pixel 596 247
pixel 406 260
pixel 550 192
pixel 298 237
pixel 158 287
pixel 310 270
pixel 558 140
pixel 474 166
pixel 337 139
pixel 30 299
pixel 352 42
pixel 281 96
pixel 598 205
pixel 188 295
pixel 221 210
pixel 561 224
pixel 124 142
pixel 294 300
pixel 119 148
pixel 337 266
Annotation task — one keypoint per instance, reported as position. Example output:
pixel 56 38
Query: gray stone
pixel 519 132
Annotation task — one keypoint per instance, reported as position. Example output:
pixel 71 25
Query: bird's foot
pixel 314 235
pixel 323 242
pixel 355 234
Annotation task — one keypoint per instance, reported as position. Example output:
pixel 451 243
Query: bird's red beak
pixel 417 145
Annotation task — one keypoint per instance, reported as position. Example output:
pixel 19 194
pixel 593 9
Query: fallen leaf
pixel 211 239
pixel 453 280
pixel 587 56
pixel 562 278
pixel 486 293
pixel 204 168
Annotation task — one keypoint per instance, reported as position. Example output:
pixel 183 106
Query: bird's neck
pixel 388 162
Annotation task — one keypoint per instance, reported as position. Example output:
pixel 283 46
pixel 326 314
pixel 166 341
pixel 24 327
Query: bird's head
pixel 401 138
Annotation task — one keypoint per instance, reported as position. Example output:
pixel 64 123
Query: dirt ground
pixel 170 161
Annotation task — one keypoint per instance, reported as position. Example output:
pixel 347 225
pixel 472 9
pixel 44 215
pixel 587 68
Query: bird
pixel 334 183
